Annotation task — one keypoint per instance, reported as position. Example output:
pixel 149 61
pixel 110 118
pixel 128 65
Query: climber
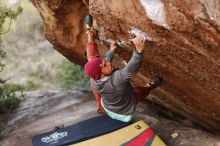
pixel 117 98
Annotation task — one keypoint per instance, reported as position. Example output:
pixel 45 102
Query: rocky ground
pixel 43 110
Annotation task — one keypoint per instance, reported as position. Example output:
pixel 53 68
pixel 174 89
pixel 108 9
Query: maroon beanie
pixel 93 68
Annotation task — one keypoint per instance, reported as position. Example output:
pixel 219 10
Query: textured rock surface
pixel 183 48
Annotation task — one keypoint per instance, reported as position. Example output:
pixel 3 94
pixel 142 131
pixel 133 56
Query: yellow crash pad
pixel 137 134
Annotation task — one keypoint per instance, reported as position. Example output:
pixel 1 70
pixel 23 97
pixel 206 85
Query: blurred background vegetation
pixel 8 97
pixel 30 61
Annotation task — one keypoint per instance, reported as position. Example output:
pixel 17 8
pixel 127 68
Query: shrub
pixel 72 77
pixel 9 98
pixel 30 85
pixel 11 95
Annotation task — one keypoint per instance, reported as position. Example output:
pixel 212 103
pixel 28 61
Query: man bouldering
pixel 116 96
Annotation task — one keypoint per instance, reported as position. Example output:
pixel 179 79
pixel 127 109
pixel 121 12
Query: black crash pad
pixel 78 132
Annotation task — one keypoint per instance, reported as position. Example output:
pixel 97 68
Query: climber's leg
pixel 91 53
pixel 142 92
pixel 91 50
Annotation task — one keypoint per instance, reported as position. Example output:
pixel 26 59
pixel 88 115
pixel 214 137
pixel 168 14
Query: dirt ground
pixel 43 110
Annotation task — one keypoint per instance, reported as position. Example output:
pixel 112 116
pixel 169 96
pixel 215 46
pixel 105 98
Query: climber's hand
pixel 139 43
pixel 113 46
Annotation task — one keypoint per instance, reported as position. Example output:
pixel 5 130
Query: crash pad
pixel 78 132
pixel 137 134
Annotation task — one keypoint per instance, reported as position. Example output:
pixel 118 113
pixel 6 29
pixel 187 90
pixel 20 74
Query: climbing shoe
pixel 155 83
pixel 88 21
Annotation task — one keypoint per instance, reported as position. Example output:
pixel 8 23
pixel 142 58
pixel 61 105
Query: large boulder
pixel 183 39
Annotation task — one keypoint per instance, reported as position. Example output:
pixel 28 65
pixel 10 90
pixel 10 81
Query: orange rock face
pixel 183 46
pixel 63 26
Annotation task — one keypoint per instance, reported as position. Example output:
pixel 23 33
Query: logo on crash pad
pixel 54 137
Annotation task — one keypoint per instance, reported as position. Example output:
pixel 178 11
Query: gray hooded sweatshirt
pixel 115 90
